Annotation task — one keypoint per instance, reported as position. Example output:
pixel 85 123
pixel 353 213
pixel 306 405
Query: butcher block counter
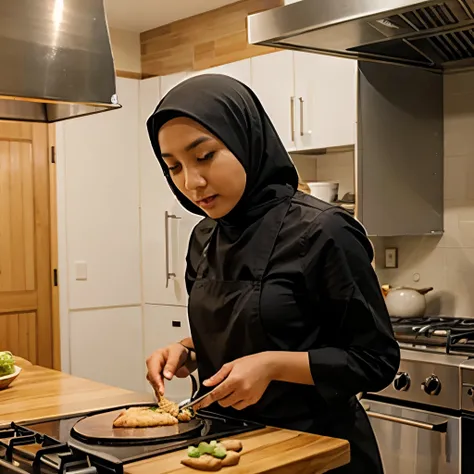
pixel 40 393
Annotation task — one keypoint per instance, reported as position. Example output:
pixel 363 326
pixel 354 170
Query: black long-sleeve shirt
pixel 319 294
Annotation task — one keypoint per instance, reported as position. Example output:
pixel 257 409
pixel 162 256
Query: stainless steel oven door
pixel 415 441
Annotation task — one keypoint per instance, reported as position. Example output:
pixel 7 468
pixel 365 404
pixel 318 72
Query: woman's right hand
pixel 166 363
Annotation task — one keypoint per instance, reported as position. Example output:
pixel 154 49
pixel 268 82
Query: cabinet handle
pixel 301 116
pixel 169 274
pixel 292 115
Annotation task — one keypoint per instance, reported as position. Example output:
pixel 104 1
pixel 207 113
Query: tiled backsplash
pixel 447 262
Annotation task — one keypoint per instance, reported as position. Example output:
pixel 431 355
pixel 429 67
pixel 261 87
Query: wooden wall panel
pixel 202 41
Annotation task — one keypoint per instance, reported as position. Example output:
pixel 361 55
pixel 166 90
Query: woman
pixel 286 314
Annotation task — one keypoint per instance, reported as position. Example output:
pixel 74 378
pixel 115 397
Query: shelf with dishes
pixel 328 176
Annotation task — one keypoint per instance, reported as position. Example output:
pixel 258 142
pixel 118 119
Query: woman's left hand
pixel 241 382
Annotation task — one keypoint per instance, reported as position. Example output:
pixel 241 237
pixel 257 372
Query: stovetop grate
pixel 47 447
pixel 46 455
pixel 451 335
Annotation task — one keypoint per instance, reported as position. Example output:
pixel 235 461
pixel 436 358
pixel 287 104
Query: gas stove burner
pixel 450 334
pixel 50 447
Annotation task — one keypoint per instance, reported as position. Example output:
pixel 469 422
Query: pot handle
pixel 423 291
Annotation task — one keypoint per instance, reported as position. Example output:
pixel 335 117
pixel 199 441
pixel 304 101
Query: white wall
pixel 98 219
pixel 126 50
pixel 447 263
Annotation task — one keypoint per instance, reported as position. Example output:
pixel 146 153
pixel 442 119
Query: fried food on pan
pixel 168 406
pixel 173 409
pixel 143 417
pixel 185 415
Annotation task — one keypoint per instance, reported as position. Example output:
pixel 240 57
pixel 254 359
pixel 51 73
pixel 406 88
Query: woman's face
pixel 201 166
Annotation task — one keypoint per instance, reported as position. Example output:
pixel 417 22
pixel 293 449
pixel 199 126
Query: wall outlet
pixel 391 258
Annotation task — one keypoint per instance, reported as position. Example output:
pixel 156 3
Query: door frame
pixel 53 215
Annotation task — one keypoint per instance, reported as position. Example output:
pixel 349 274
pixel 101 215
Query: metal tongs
pixel 189 403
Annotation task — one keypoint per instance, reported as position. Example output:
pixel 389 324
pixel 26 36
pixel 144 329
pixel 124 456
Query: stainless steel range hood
pixel 55 60
pixel 432 34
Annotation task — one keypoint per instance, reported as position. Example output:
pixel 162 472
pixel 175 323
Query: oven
pixel 413 441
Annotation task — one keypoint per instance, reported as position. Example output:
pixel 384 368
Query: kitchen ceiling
pixel 142 15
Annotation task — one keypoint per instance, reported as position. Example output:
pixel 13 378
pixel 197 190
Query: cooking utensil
pixel 99 428
pixel 190 403
pixel 406 302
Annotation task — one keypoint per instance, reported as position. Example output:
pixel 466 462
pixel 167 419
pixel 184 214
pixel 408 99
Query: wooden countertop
pixel 42 393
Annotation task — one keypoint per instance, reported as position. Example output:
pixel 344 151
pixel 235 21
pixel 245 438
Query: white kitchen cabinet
pixel 101 204
pixel 310 98
pixel 164 325
pixel 171 80
pixel 273 82
pixel 165 224
pixel 106 345
pixel 240 70
pixel 325 97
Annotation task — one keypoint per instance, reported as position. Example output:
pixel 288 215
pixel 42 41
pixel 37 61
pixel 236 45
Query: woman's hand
pixel 168 362
pixel 242 382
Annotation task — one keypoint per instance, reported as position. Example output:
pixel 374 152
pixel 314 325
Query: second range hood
pixel 436 35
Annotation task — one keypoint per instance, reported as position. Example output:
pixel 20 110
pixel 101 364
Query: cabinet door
pixel 239 70
pixel 273 82
pixel 164 325
pixel 171 80
pixel 165 224
pixel 106 345
pixel 101 204
pixel 325 90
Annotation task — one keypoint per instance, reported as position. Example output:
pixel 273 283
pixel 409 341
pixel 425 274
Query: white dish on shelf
pixel 326 191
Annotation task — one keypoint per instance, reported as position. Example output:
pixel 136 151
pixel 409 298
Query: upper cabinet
pixel 310 98
pixel 240 70
pixel 168 82
pixel 273 82
pixel 325 96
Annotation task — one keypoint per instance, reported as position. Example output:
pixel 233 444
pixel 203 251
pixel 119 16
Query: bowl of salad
pixel 8 370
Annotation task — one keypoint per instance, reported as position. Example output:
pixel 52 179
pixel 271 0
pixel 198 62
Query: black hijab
pixel 233 113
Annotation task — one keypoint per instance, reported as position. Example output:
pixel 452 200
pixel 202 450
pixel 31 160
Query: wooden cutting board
pixel 100 428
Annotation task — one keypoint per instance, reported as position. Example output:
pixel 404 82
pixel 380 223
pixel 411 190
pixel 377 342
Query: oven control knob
pixel 432 385
pixel 401 382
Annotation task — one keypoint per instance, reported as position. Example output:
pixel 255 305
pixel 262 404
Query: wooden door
pixel 26 309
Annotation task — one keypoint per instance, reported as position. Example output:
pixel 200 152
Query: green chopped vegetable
pixel 206 448
pixel 194 452
pixel 7 364
pixel 220 452
pixel 213 443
